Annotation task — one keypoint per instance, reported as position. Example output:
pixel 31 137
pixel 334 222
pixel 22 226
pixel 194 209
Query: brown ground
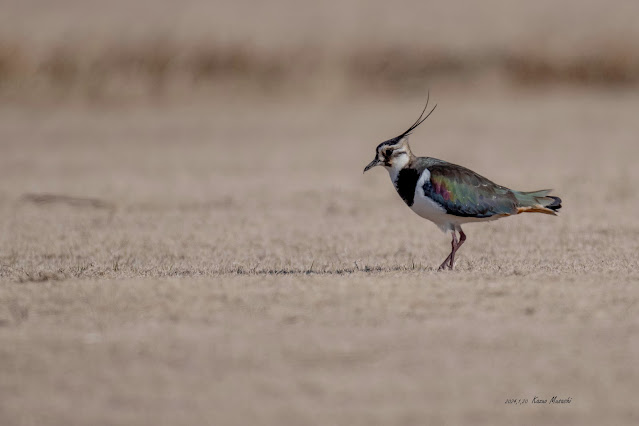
pixel 214 255
pixel 238 268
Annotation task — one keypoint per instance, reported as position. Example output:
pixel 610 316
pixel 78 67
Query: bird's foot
pixel 445 265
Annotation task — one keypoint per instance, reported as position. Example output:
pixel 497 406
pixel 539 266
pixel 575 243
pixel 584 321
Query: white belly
pixel 428 209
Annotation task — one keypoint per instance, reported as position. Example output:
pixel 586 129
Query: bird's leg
pixel 462 238
pixel 448 262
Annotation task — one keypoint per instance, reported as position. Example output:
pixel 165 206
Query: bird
pixel 450 195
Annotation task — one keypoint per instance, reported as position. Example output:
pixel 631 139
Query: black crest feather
pixel 419 120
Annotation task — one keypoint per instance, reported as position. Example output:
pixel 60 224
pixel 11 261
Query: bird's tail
pixel 537 202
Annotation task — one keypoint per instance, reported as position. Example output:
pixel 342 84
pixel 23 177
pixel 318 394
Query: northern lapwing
pixel 450 195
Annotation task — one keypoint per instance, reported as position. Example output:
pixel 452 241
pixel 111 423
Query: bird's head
pixel 395 153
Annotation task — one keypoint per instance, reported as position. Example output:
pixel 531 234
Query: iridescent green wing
pixel 463 192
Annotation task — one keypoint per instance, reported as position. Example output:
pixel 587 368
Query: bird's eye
pixel 389 152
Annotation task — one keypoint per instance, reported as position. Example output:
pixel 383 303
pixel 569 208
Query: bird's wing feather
pixel 463 192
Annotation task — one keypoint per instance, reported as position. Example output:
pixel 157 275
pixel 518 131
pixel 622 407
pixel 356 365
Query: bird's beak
pixel 372 164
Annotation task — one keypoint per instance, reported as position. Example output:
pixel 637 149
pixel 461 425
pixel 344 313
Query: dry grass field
pixel 186 236
pixel 230 264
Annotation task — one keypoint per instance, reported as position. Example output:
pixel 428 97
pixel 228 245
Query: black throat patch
pixel 406 183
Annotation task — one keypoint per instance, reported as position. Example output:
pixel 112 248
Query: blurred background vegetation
pixel 130 49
